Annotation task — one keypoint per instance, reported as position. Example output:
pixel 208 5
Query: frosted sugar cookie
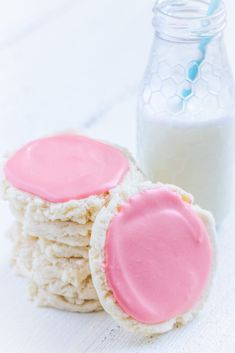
pixel 151 257
pixel 65 177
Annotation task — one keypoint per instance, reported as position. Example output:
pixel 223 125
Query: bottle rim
pixel 187 20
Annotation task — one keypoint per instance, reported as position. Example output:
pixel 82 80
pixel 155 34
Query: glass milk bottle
pixel 186 104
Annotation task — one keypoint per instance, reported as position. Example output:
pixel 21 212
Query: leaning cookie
pixel 152 257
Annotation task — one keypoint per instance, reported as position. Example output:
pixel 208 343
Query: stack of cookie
pixel 55 187
pixel 90 232
pixel 52 250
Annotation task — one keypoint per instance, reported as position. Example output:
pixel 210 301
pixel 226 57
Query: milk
pixel 186 109
pixel 195 155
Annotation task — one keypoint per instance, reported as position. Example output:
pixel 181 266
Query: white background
pixel 77 64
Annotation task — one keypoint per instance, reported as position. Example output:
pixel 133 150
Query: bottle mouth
pixel 188 20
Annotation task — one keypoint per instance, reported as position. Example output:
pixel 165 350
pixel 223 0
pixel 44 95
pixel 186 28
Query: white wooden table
pixel 77 64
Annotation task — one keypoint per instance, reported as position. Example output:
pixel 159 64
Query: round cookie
pixel 151 257
pixel 66 167
pixel 40 201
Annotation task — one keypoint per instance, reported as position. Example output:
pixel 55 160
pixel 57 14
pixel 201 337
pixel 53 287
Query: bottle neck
pixel 188 21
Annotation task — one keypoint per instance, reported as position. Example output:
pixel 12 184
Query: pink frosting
pixel 157 256
pixel 66 167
